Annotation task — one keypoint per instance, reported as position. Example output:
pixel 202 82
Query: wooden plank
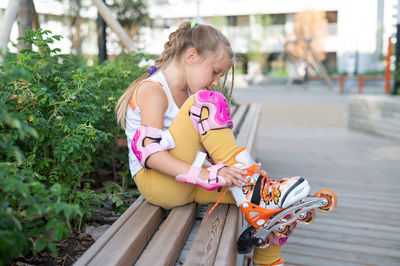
pixel 166 245
pixel 99 244
pixel 232 109
pixel 333 256
pixel 314 260
pixel 227 250
pixel 237 118
pixel 246 137
pixel 123 250
pixel 318 227
pixel 227 253
pixel 368 248
pixel 205 244
pixel 310 232
pixel 249 127
pixel 254 111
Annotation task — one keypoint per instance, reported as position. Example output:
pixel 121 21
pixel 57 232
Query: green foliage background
pixel 57 125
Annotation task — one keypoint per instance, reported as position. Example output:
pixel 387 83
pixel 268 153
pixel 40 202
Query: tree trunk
pixel 76 39
pixel 25 18
pixel 114 25
pixel 36 24
pixel 6 26
pixel 101 38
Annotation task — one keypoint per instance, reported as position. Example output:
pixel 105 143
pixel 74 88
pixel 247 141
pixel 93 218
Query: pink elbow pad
pixel 218 110
pixel 163 142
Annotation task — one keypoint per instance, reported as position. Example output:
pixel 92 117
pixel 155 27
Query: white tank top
pixel 133 118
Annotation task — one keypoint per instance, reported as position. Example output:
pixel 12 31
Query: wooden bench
pixel 149 235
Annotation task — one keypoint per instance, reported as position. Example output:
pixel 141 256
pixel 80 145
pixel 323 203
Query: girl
pixel 170 114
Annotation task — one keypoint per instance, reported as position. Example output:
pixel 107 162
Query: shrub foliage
pixel 56 126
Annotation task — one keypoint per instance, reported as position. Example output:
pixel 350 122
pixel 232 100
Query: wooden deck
pixel 364 172
pixel 363 230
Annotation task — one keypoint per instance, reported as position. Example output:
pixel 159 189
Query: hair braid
pixel 204 38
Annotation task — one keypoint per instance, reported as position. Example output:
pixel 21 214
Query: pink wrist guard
pixel 218 111
pixel 164 141
pixel 213 182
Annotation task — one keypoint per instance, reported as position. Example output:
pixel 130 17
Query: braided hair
pixel 204 38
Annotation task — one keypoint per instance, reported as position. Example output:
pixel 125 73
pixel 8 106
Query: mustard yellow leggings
pixel 166 192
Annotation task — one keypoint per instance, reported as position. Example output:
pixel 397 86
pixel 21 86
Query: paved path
pixel 304 133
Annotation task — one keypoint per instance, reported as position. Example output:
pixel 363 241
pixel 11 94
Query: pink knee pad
pixel 218 110
pixel 164 141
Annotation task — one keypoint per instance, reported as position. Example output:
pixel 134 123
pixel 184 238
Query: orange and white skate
pixel 273 207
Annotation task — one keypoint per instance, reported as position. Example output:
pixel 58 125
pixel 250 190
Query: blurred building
pixel 357 39
pixel 358 30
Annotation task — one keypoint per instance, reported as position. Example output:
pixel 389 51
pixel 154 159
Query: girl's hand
pixel 233 175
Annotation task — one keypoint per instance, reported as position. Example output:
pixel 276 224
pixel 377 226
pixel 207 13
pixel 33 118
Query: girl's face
pixel 204 72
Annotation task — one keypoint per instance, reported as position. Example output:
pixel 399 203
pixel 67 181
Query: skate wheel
pixel 310 216
pixel 330 196
pixel 267 242
pixel 288 229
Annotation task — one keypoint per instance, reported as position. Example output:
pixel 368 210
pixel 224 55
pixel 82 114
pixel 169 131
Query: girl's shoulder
pixel 151 92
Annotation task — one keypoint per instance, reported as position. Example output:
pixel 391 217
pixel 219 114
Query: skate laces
pixel 216 204
pixel 250 171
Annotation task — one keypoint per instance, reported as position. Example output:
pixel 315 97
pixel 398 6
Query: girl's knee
pixel 218 111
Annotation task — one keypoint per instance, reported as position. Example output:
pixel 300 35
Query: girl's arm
pixel 153 102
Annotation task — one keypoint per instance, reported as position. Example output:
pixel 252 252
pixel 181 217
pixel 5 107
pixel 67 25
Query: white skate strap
pixel 199 160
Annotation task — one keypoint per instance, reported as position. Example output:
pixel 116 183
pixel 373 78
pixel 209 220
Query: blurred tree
pixel 257 47
pixel 309 24
pixel 131 14
pixel 102 37
pixel 75 21
pixel 25 19
pixel 6 25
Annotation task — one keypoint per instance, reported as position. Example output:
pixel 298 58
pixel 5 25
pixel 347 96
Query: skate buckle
pixel 256 215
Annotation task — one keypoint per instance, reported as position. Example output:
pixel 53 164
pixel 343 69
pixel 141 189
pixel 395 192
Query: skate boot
pixel 273 207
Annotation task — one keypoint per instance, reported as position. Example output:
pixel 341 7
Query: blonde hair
pixel 204 38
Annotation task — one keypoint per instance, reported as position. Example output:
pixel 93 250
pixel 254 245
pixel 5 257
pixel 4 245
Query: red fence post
pixel 341 84
pixel 360 84
pixel 387 69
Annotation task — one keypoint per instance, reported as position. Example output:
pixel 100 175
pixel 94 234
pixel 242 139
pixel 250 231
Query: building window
pixel 232 20
pixel 331 16
pixel 278 19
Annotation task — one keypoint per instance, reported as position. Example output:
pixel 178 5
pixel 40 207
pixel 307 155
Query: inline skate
pixel 274 207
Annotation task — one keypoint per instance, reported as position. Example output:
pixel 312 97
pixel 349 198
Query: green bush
pixel 56 125
pixel 31 214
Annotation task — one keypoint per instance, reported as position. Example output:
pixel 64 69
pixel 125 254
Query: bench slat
pixel 226 254
pixel 102 241
pixel 227 249
pixel 233 224
pixel 238 116
pixel 125 249
pixel 248 129
pixel 205 244
pixel 166 245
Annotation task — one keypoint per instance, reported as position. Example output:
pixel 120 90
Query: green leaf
pixel 56 189
pixel 41 243
pixel 52 247
pixel 58 233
